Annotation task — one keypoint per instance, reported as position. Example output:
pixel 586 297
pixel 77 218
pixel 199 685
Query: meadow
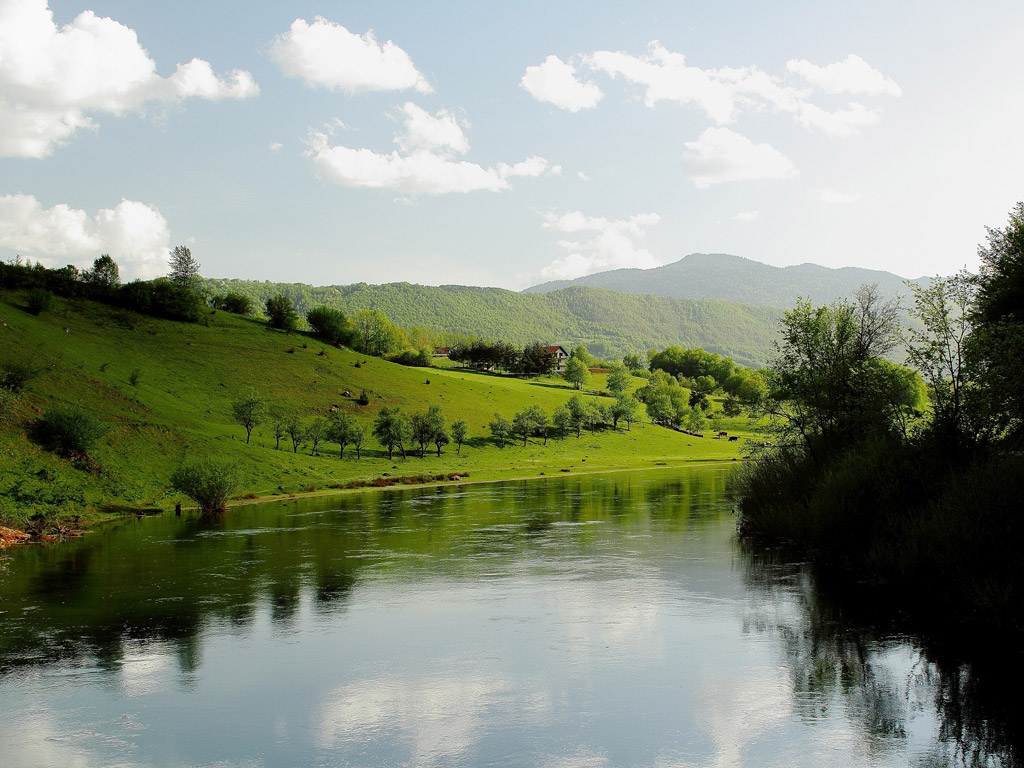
pixel 164 389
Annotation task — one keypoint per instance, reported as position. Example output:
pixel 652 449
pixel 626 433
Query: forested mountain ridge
pixel 608 322
pixel 734 278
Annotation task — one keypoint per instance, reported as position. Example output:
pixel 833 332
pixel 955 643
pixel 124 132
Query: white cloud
pixel 613 245
pixel 52 79
pixel 555 82
pixel 852 75
pixel 274 146
pixel 840 123
pixel 721 155
pixel 133 233
pixel 327 54
pixel 724 93
pixel 431 132
pixel 747 216
pixel 426 163
pixel 666 77
pixel 835 197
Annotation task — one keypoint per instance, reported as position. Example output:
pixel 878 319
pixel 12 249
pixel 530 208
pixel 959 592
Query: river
pixel 575 621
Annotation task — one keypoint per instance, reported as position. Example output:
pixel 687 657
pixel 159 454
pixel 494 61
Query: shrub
pixel 235 303
pixel 134 377
pixel 418 358
pixel 69 430
pixel 330 325
pixel 162 298
pixel 281 313
pixel 208 481
pixel 39 300
pixel 14 375
pixel 364 399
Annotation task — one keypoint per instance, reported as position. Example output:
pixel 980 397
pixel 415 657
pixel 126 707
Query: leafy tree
pixel 581 353
pixel 340 431
pixel 104 275
pixel 296 430
pixel 704 385
pixel 538 421
pixel 998 338
pixel 69 430
pixel 437 427
pixel 249 411
pixel 184 269
pixel 625 407
pixel 537 359
pixel 561 420
pixel 826 391
pixel 356 435
pixel 717 421
pixel 500 428
pixel 593 416
pixel 375 334
pixel 421 431
pixel 459 431
pixel 618 381
pixel 752 389
pixel 731 406
pixel 281 313
pixel 279 424
pixel 634 362
pixel 576 372
pixel 695 420
pixel 577 413
pixel 209 482
pixel 235 303
pixel 391 428
pixel 317 430
pixel 331 325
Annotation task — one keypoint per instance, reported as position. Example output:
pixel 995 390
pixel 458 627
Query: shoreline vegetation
pixel 870 475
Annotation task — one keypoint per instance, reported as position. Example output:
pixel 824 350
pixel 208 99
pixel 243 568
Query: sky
pixel 506 144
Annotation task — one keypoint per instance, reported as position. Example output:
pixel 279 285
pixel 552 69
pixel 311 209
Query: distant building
pixel 442 351
pixel 560 357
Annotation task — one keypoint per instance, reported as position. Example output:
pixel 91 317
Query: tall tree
pixel 104 275
pixel 281 313
pixel 184 268
pixel 391 428
pixel 500 428
pixel 618 380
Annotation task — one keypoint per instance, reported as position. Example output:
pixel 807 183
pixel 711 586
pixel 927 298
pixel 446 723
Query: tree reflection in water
pixel 849 645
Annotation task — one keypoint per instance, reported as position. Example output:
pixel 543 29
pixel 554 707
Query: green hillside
pixel 187 375
pixel 609 323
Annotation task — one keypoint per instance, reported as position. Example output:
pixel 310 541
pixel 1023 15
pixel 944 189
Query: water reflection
pixel 577 621
pixel 843 646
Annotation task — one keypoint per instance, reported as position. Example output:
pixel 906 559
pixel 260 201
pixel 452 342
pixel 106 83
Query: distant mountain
pixel 733 278
pixel 608 322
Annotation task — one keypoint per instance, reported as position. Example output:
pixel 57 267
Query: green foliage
pixel 135 377
pixel 235 303
pixel 576 373
pixel 8 402
pixel 69 430
pixel 331 325
pixel 16 374
pixel 375 334
pixel 460 429
pixel 208 481
pixel 391 429
pixel 500 428
pixel 421 358
pixel 616 321
pixel 577 411
pixel 364 398
pixel 39 300
pixel 184 269
pixel 104 276
pixel 626 408
pixel 281 313
pixel 162 298
pixel 618 380
pixel 250 410
pixel 316 432
pixel 340 430
pixel 634 362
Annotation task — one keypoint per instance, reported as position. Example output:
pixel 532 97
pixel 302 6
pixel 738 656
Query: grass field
pixel 186 377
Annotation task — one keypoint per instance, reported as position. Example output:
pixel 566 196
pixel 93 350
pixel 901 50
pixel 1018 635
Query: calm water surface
pixel 592 621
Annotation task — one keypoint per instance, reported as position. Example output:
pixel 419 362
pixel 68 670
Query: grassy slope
pixel 189 374
pixel 610 323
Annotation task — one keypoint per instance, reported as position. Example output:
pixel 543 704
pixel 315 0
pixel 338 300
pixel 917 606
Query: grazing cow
pixel 723 434
pixel 733 439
